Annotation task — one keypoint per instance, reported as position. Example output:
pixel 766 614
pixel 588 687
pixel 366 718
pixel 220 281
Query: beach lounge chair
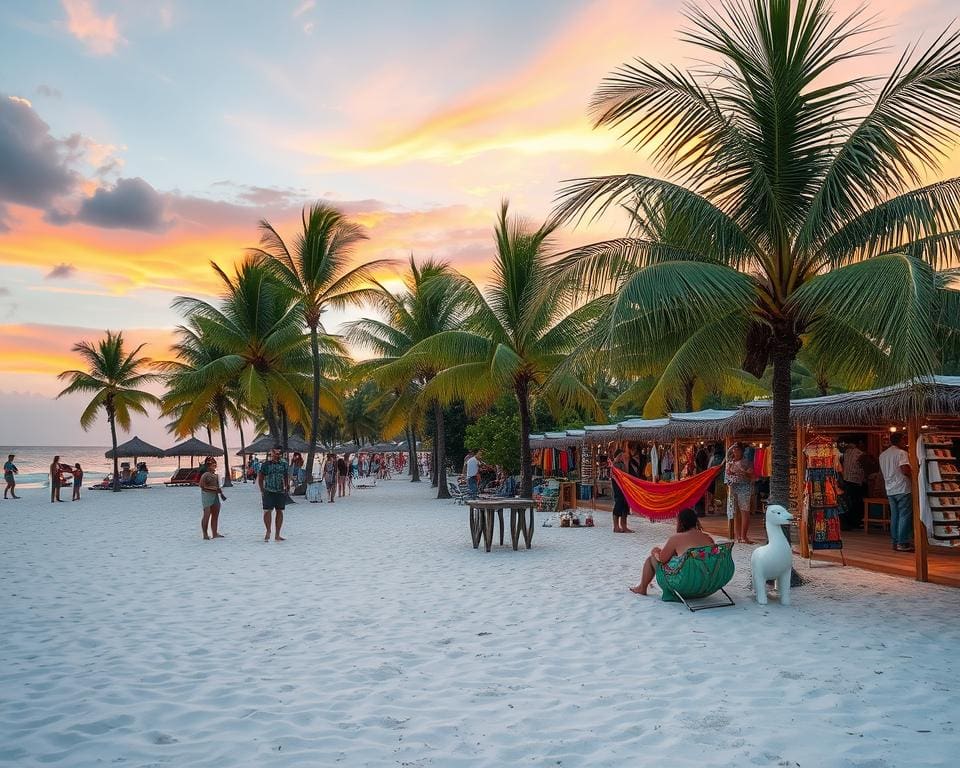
pixel 457 493
pixel 698 573
pixel 184 476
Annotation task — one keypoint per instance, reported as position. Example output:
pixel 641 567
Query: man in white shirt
pixel 854 485
pixel 895 466
pixel 472 471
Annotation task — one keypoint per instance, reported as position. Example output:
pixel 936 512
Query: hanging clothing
pixel 655 463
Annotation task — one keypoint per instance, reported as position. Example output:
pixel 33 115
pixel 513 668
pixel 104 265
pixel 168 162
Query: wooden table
pixel 481 520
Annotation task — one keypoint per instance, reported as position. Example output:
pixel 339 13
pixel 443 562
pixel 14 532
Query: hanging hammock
pixel 660 501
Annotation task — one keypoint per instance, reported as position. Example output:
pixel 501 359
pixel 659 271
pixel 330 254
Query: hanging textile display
pixel 660 501
pixel 822 495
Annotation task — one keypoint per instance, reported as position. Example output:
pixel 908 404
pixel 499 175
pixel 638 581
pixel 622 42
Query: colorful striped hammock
pixel 660 501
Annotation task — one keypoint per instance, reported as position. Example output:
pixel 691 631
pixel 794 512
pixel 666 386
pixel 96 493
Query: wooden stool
pixel 883 521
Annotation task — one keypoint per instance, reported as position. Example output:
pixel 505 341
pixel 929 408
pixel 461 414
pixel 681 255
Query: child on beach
pixel 210 496
pixel 10 477
pixel 77 481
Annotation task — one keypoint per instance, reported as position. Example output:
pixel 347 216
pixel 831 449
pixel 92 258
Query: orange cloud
pixel 33 349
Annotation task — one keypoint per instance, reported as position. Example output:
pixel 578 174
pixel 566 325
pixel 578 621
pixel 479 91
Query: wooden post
pixel 919 529
pixel 801 490
pixel 731 522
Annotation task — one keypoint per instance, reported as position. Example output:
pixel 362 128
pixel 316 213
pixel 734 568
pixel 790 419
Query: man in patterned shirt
pixel 274 482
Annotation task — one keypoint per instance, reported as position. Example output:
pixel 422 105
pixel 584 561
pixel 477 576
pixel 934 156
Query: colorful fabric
pixel 661 501
pixel 698 572
pixel 274 476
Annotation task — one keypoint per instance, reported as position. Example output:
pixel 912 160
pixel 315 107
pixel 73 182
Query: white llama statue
pixel 774 560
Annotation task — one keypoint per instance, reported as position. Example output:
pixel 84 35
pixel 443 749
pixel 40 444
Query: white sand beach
pixel 376 636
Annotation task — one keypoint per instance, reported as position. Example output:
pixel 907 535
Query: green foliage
pixel 498 436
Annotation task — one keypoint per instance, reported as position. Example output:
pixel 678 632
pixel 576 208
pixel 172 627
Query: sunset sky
pixel 139 140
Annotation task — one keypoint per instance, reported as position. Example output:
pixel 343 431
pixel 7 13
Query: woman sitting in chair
pixel 688 535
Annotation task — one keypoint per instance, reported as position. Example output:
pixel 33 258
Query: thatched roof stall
pixel 599 434
pixel 708 424
pixel 536 441
pixel 937 395
pixel 642 429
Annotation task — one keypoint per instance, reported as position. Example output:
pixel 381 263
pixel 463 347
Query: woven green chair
pixel 699 573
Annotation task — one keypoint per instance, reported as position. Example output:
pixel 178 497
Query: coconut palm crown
pixel 316 269
pixel 518 333
pixel 113 376
pixel 808 224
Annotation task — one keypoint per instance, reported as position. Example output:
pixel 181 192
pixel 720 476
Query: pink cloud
pixel 99 33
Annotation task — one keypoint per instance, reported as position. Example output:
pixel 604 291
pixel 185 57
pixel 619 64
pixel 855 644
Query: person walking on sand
pixel 77 481
pixel 10 472
pixel 55 480
pixel 274 481
pixel 211 495
pixel 343 472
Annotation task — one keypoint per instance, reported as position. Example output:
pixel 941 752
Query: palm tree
pixel 316 271
pixel 433 301
pixel 518 334
pixel 195 390
pixel 265 354
pixel 113 375
pixel 804 228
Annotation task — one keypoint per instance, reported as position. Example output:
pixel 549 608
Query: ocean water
pixel 33 461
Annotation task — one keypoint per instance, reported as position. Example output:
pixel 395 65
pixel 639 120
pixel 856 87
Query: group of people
pixel 64 474
pixel 273 478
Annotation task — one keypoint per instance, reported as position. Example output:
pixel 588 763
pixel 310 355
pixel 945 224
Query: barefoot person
pixel 77 481
pixel 274 482
pixel 688 535
pixel 55 480
pixel 330 477
pixel 621 511
pixel 10 472
pixel 210 496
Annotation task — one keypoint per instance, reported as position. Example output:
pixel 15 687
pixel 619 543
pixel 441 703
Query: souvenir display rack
pixel 942 488
pixel 821 507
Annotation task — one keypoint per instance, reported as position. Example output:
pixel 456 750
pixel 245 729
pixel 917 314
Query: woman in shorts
pixel 77 481
pixel 210 496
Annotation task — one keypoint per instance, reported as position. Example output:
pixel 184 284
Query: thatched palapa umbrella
pixel 135 448
pixel 193 447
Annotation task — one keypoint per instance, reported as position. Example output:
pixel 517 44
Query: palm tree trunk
pixel 243 444
pixel 443 492
pixel 433 461
pixel 688 395
pixel 209 435
pixel 522 389
pixel 414 463
pixel 315 410
pixel 782 355
pixel 270 415
pixel 113 439
pixel 227 480
pixel 284 431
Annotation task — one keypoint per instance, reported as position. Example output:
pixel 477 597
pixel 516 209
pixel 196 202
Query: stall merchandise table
pixel 481 520
pixel 568 496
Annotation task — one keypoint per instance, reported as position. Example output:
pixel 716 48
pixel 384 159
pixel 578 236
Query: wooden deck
pixel 871 551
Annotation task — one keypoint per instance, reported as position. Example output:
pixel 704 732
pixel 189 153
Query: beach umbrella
pixel 346 448
pixel 297 444
pixel 261 445
pixel 193 447
pixel 135 448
